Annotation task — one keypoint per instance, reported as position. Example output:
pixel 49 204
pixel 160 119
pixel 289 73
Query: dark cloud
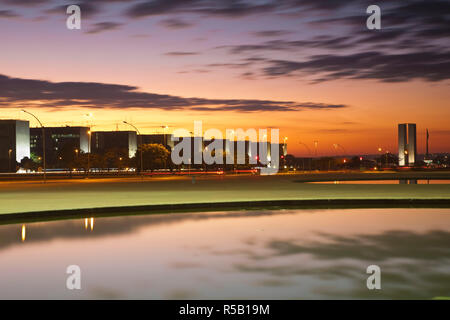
pixel 258 105
pixel 158 7
pixel 324 42
pixel 181 53
pixel 412 44
pixel 207 7
pixel 175 24
pixel 8 14
pixel 88 10
pixel 429 12
pixel 229 65
pixel 323 5
pixel 271 33
pixel 235 8
pixel 107 1
pixel 417 21
pixel 430 66
pixel 104 26
pixel 25 2
pixel 101 95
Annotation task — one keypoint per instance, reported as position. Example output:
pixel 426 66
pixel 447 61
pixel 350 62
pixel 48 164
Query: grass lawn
pixel 20 197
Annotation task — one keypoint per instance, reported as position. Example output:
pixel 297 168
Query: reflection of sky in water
pixel 248 254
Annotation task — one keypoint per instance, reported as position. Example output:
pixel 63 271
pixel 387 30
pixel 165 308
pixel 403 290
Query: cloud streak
pixel 412 44
pixel 175 24
pixel 61 95
pixel 181 53
pixel 204 7
pixel 429 66
pixel 8 14
pixel 104 26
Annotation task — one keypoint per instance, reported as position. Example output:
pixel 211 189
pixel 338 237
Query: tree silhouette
pixel 154 156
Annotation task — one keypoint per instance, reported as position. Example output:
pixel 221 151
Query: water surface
pixel 285 254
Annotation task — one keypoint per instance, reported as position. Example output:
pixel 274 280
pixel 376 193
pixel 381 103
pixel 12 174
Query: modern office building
pixel 251 152
pixel 14 143
pixel 103 141
pixel 59 140
pixel 407 144
pixel 402 143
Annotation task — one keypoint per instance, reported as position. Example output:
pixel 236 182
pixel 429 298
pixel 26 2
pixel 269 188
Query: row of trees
pixel 155 156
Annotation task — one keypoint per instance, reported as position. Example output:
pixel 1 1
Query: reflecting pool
pixel 283 254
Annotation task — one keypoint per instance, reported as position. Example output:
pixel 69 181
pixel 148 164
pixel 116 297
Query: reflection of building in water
pixel 89 223
pixel 24 232
pixel 407 144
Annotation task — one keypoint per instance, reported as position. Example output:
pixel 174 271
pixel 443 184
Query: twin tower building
pixel 407 144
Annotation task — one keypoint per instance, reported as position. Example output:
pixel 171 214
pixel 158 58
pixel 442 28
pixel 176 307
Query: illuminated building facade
pixel 14 143
pixel 407 144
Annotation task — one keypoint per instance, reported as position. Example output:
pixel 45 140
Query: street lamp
pixel 89 153
pixel 141 151
pixel 285 146
pixel 43 142
pixel 284 151
pixel 165 134
pixel 310 154
pixel 9 157
pixel 381 158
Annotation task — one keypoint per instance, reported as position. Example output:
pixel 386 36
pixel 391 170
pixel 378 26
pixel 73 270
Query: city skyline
pixel 219 158
pixel 317 73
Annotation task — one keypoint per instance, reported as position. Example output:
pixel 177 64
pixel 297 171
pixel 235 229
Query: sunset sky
pixel 310 68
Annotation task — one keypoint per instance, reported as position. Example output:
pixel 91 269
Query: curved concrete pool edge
pixel 223 206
